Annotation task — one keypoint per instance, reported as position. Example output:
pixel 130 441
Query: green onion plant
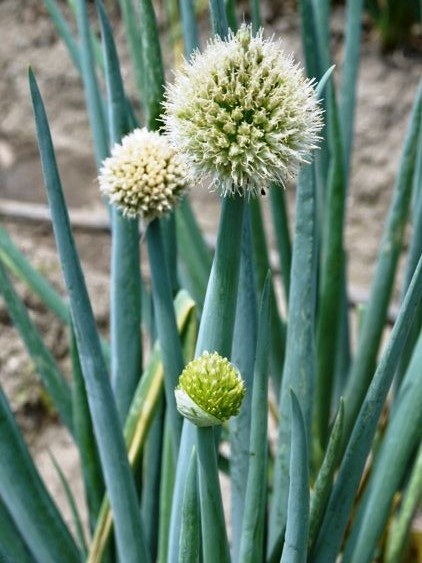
pixel 286 405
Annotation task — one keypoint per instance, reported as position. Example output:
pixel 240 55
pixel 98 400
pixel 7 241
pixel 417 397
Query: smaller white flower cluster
pixel 143 176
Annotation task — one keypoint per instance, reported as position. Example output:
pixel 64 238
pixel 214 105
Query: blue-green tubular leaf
pixel 243 356
pixel 190 533
pixel 341 499
pixel 215 332
pixel 117 474
pixel 27 501
pixel 299 365
pixel 42 358
pixel 252 547
pixel 295 548
pixel 362 368
pixel 391 464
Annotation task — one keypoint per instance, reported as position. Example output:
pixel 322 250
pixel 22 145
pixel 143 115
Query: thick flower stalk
pixel 243 113
pixel 143 177
pixel 210 390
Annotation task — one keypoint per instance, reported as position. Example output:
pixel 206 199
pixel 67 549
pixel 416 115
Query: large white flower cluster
pixel 243 113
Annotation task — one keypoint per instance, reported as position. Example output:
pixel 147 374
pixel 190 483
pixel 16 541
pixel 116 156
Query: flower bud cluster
pixel 210 390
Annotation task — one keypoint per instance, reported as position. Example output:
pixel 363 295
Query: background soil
pixel 387 87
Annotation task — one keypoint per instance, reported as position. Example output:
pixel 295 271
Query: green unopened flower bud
pixel 210 390
pixel 143 177
pixel 243 113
